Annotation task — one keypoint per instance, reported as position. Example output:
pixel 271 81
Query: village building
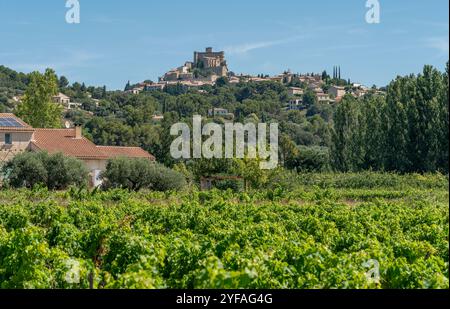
pixel 296 104
pixel 218 112
pixel 155 86
pixel 278 78
pixel 257 79
pixel 65 101
pixel 16 137
pixel 293 91
pixel 157 117
pixel 314 86
pixel 136 90
pixel 61 98
pixel 337 91
pixel 212 61
pixel 234 80
pixel 323 98
pixel 209 63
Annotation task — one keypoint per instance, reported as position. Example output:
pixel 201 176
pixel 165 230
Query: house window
pixel 8 139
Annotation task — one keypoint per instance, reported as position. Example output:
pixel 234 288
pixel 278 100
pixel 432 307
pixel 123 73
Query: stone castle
pixel 207 66
pixel 215 61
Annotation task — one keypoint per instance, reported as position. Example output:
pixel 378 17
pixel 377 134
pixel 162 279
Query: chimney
pixel 209 49
pixel 78 132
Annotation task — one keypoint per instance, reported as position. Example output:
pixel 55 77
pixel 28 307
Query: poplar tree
pixel 37 107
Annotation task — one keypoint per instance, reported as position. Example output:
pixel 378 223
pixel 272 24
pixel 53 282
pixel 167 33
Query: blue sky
pixel 136 40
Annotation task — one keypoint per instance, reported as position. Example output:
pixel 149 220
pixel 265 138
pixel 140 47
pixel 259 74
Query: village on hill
pixel 209 66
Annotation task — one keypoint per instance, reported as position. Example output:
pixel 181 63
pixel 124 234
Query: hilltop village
pixel 210 67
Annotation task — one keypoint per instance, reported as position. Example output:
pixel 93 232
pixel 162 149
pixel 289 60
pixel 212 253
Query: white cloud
pixel 247 47
pixel 438 43
pixel 69 59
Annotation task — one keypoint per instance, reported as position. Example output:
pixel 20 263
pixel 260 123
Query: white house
pixel 296 104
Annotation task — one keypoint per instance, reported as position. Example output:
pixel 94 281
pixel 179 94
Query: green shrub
pixel 137 174
pixel 25 170
pixel 232 184
pixel 372 180
pixel 55 171
pixel 284 178
pixel 63 171
pixel 310 159
pixel 165 179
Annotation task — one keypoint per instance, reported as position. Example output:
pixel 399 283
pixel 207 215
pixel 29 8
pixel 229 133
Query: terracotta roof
pixel 61 95
pixel 63 140
pixel 132 152
pixel 25 126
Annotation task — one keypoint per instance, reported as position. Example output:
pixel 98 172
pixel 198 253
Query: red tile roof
pixel 63 140
pixel 132 152
pixel 25 126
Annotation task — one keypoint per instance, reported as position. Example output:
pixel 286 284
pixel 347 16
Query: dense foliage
pixel 55 171
pixel 37 107
pixel 320 234
pixel 12 84
pixel 406 131
pixel 137 174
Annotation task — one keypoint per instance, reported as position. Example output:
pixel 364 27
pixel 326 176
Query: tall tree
pixel 443 153
pixel 347 147
pixel 309 98
pixel 37 107
pixel 288 150
pixel 372 126
pixel 128 86
pixel 405 131
pixel 63 82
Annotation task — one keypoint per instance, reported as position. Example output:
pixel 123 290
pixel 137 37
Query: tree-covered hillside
pixel 403 129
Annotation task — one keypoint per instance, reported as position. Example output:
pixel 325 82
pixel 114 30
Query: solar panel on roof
pixel 10 122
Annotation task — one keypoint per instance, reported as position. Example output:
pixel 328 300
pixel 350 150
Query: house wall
pixel 336 92
pixel 20 143
pixel 96 164
pixel 95 167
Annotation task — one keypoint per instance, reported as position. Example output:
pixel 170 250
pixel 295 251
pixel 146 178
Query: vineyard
pixel 327 231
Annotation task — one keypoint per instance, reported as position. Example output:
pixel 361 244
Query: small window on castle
pixel 8 139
